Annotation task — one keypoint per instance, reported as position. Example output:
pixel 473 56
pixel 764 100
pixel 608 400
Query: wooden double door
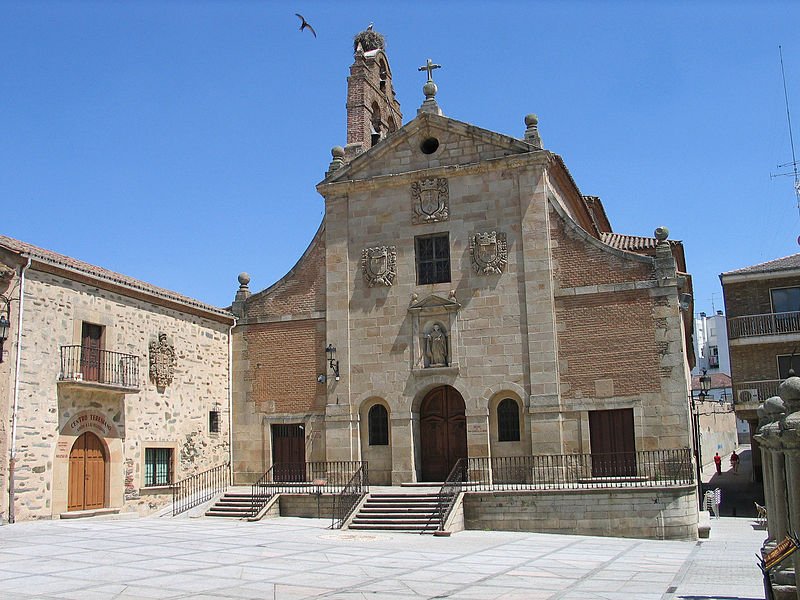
pixel 288 453
pixel 443 432
pixel 87 473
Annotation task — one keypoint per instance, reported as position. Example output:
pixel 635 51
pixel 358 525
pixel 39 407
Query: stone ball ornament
pixel 789 391
pixel 429 89
pixel 337 152
pixel 531 120
pixel 244 278
pixel 661 233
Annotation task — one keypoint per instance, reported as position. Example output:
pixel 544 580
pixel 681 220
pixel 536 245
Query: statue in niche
pixel 162 361
pixel 436 347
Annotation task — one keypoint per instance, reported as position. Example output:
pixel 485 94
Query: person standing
pixel 718 463
pixel 735 462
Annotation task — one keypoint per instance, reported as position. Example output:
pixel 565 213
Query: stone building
pixel 762 304
pixel 111 388
pixel 461 297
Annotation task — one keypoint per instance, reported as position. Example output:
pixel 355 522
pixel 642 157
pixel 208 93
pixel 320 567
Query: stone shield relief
pixel 430 200
pixel 379 265
pixel 489 251
pixel 162 361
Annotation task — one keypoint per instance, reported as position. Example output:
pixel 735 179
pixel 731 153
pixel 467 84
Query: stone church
pixel 461 298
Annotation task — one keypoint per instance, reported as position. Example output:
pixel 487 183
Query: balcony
pixel 751 326
pixel 91 367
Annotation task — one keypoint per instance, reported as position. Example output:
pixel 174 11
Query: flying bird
pixel 305 25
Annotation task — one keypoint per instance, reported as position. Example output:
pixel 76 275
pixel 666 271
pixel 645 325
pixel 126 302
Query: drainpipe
pixel 18 359
pixel 230 399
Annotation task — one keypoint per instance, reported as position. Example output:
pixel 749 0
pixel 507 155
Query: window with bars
pixel 157 466
pixel 508 421
pixel 378 426
pixel 213 421
pixel 433 259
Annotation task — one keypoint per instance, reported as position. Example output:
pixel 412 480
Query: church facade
pixel 461 298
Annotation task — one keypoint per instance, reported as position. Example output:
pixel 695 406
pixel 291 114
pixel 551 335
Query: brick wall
pixel 608 336
pixel 753 297
pixel 285 359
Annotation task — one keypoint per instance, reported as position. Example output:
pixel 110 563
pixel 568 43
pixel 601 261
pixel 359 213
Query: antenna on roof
pixel 792 164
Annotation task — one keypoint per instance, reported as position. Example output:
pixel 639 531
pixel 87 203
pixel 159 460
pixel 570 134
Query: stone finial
pixel 242 294
pixel 661 233
pixel 337 162
pixel 430 89
pixel 532 130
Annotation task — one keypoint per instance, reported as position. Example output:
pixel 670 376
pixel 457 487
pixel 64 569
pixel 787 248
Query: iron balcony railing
pixel 83 363
pixel 320 477
pixel 200 487
pixel 766 324
pixel 345 502
pixel 749 392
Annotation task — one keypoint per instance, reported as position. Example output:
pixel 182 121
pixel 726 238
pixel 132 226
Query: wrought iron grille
pixel 83 363
pixel 200 487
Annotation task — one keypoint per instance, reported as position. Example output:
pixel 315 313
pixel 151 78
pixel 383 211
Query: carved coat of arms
pixel 489 252
pixel 379 265
pixel 430 200
pixel 162 361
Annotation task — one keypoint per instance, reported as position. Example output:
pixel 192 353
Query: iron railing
pixel 766 324
pixel 449 491
pixel 83 363
pixel 345 502
pixel 320 477
pixel 644 468
pixel 200 487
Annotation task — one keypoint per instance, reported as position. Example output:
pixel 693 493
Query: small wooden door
pixel 288 453
pixel 443 432
pixel 613 441
pixel 87 473
pixel 91 345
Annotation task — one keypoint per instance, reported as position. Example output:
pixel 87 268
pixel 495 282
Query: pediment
pixel 458 144
pixel 434 303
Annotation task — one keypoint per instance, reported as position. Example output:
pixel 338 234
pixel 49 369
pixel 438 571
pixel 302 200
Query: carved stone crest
pixel 430 200
pixel 379 265
pixel 489 252
pixel 162 361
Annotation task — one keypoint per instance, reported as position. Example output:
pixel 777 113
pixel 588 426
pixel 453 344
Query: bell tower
pixel 372 109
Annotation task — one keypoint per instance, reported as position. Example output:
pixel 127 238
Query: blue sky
pixel 180 142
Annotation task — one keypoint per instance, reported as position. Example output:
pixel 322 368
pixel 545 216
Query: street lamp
pixel 332 362
pixel 705 386
pixel 4 324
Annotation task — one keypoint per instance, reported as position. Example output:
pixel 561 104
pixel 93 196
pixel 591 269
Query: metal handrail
pixel 200 487
pixel 449 491
pixel 319 477
pixel 83 363
pixel 345 502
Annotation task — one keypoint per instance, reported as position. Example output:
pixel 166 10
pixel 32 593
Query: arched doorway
pixel 443 432
pixel 87 473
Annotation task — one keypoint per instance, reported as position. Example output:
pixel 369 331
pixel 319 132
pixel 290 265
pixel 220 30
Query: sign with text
pixel 90 420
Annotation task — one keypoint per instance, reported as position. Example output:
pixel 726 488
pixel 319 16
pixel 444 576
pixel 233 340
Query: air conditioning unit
pixel 746 396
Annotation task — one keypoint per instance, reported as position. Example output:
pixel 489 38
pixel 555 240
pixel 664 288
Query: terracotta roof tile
pixel 787 263
pixel 72 264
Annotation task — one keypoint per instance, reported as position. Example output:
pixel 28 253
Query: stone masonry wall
pixel 9 287
pixel 667 514
pixel 174 417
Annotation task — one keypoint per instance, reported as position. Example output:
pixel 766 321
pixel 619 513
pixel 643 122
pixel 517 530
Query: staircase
pixel 232 504
pixel 415 513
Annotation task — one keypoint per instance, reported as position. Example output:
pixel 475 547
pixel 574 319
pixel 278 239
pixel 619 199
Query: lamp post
pixel 705 386
pixel 332 362
pixel 4 323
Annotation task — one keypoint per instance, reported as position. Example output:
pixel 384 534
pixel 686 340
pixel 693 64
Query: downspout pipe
pixel 230 400
pixel 18 360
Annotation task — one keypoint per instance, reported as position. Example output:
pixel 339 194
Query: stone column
pixel 780 509
pixel 768 490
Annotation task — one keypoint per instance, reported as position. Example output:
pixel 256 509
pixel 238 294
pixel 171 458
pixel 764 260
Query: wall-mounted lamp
pixel 332 362
pixel 705 385
pixel 685 301
pixel 5 325
pixel 321 379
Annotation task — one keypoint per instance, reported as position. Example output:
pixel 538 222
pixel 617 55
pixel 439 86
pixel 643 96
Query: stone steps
pixel 416 513
pixel 232 504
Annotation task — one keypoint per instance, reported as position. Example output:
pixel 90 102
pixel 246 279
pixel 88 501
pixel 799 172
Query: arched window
pixel 508 421
pixel 378 426
pixel 375 122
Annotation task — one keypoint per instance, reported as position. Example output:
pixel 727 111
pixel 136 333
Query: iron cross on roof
pixel 429 67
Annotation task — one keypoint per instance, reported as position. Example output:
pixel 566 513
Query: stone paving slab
pixel 289 558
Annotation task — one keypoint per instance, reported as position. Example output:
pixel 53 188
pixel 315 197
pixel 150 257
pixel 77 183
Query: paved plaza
pixel 291 558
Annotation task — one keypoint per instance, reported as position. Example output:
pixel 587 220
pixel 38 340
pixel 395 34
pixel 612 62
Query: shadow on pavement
pixel 739 491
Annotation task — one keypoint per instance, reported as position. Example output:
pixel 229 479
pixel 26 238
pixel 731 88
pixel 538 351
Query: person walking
pixel 735 462
pixel 718 463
